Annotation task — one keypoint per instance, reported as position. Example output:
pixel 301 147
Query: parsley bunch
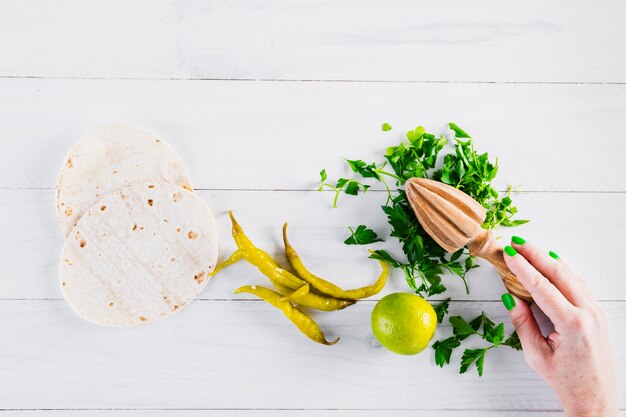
pixel 425 261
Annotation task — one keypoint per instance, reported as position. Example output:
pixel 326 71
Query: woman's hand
pixel 576 359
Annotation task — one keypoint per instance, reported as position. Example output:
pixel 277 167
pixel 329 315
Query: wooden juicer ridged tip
pixel 454 220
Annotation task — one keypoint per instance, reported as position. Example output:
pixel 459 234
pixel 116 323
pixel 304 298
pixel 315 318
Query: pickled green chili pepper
pixel 283 280
pixel 302 321
pixel 234 257
pixel 326 287
pixel 300 292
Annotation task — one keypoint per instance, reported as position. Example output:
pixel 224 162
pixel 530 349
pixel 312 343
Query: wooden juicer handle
pixel 484 246
pixel 454 220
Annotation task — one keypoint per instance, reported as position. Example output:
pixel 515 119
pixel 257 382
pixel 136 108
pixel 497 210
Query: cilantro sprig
pixel 362 236
pixel 455 162
pixel 461 329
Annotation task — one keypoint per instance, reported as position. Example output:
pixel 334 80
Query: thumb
pixel 534 345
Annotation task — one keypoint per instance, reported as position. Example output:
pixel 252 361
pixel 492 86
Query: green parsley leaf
pixel 441 309
pixel 495 334
pixel 386 127
pixel 461 329
pixel 513 341
pixel 469 357
pixel 361 236
pixel 459 133
pixel 383 255
pixel 443 350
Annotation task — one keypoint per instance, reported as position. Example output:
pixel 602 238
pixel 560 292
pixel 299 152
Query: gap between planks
pixel 305 80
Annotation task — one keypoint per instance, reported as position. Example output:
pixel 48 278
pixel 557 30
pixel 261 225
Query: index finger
pixel 544 293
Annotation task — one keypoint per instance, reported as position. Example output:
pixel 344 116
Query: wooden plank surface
pixel 486 40
pixel 275 135
pixel 244 354
pixel 567 223
pixel 257 97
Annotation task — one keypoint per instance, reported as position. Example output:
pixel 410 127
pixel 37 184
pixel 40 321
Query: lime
pixel 404 323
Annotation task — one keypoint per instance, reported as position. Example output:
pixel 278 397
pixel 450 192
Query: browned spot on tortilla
pixel 165 297
pixel 67 261
pixel 123 196
pixel 150 201
pixel 97 195
pixel 178 229
pixel 70 163
pixel 111 304
pixel 187 187
pixel 173 260
pixel 142 318
pixel 175 307
pixel 150 186
pixel 157 140
pixel 134 228
pixel 165 221
pixel 200 277
pixel 115 171
pixel 192 235
pixel 82 243
pixel 102 208
pixel 63 283
pixel 68 212
pixel 141 228
pixel 177 197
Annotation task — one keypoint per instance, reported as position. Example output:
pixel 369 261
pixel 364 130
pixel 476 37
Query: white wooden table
pixel 257 97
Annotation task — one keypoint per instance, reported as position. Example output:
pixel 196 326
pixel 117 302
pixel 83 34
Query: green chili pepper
pixel 326 287
pixel 283 280
pixel 302 321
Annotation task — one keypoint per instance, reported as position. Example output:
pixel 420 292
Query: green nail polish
pixel 508 301
pixel 518 240
pixel 554 255
pixel 510 251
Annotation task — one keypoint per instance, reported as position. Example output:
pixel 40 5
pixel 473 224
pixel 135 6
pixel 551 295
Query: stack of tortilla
pixel 139 244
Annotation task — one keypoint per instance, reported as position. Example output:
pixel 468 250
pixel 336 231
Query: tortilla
pixel 107 159
pixel 139 255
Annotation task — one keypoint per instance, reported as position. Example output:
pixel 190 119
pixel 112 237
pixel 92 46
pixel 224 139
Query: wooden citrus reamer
pixel 454 219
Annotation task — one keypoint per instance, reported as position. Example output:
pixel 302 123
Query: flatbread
pixel 139 255
pixel 107 159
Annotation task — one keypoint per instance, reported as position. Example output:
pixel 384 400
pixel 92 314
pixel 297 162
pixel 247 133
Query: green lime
pixel 404 323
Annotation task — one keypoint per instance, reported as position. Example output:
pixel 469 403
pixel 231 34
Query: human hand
pixel 576 359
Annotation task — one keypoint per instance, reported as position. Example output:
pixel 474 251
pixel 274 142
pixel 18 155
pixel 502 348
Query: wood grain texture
pixel 224 354
pixel 485 40
pixel 272 135
pixel 559 222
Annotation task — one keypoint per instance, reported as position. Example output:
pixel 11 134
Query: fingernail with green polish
pixel 518 240
pixel 510 251
pixel 554 255
pixel 508 301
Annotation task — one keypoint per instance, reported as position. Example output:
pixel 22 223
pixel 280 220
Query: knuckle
pixel 556 269
pixel 519 320
pixel 599 317
pixel 577 322
pixel 540 283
